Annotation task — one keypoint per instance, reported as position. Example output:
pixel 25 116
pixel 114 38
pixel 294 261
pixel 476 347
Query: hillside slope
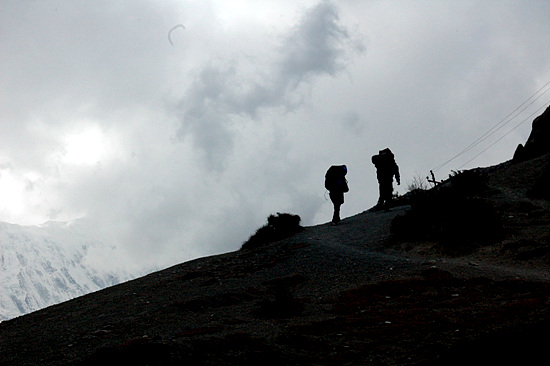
pixel 347 295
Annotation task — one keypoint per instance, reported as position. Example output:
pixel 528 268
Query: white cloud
pixel 224 91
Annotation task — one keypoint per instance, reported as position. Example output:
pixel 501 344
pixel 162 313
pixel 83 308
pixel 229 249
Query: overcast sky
pixel 176 127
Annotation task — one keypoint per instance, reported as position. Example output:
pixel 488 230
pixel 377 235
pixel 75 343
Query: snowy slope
pixel 48 264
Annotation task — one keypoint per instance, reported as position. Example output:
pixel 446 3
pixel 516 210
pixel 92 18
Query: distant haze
pixel 174 128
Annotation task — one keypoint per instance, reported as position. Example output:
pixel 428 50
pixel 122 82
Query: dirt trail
pixel 362 238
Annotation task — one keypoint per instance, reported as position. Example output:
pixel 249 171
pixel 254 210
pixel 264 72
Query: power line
pixel 498 126
pixel 490 132
pixel 506 134
pixel 487 134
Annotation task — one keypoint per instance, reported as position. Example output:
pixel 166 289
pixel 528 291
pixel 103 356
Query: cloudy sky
pixel 176 127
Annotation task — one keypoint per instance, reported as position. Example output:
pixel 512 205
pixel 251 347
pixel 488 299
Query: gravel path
pixel 356 251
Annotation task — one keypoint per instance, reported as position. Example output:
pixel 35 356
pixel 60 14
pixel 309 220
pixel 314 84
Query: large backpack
pixel 384 159
pixel 385 164
pixel 335 178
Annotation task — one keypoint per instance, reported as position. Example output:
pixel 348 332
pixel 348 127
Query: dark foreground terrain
pixel 354 294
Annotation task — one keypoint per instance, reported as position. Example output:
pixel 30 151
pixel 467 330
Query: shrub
pixel 467 182
pixel 278 227
pixel 453 215
pixel 417 183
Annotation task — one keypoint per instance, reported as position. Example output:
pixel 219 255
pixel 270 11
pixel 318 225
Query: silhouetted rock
pixel 538 142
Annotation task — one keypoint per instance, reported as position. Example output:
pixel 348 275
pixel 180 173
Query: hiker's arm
pixel 397 176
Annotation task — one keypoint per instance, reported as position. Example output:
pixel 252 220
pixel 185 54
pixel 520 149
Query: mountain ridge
pixel 47 264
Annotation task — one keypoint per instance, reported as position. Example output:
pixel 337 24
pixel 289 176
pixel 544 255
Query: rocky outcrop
pixel 538 142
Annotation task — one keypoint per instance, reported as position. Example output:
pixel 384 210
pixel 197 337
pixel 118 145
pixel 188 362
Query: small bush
pixel 452 215
pixel 467 182
pixel 418 183
pixel 278 227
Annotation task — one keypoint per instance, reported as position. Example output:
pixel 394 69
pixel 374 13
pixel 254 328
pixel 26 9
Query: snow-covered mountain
pixel 47 264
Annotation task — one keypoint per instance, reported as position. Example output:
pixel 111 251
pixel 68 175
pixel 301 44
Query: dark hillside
pixel 502 211
pixel 441 289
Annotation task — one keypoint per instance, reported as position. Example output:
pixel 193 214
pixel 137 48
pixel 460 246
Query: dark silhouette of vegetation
pixel 417 183
pixel 454 214
pixel 278 227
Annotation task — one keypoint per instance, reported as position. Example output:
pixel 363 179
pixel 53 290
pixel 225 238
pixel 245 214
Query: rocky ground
pixel 349 295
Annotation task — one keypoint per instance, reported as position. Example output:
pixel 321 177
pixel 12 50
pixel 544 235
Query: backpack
pixel 384 159
pixel 335 178
pixel 385 164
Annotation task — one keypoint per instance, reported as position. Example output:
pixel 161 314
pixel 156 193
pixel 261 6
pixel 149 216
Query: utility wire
pixel 487 134
pixel 496 127
pixel 506 134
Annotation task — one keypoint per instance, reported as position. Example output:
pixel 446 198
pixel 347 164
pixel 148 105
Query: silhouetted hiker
pixel 386 169
pixel 337 185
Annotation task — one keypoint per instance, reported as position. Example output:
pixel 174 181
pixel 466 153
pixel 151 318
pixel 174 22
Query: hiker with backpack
pixel 337 185
pixel 386 170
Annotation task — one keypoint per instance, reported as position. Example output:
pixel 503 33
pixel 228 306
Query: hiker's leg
pixel 386 190
pixel 336 215
pixel 380 194
pixel 337 199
